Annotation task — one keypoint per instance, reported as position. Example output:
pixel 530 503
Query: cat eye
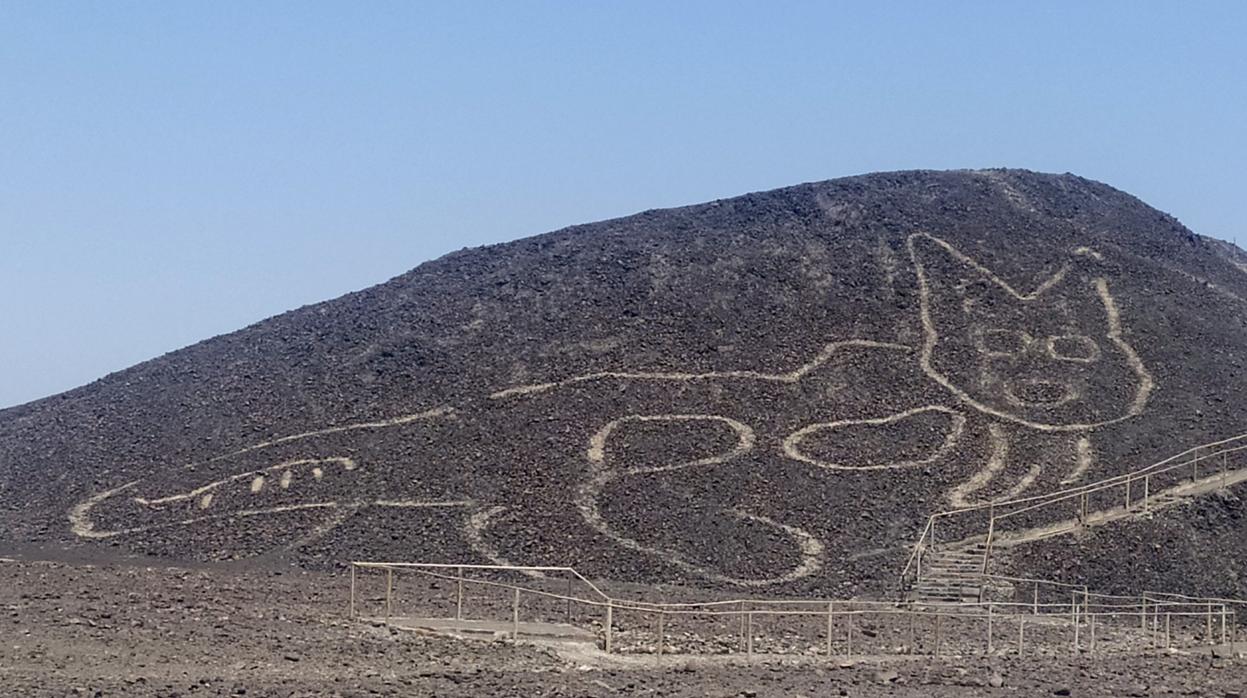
pixel 1001 342
pixel 1073 347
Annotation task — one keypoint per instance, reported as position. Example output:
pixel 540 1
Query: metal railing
pixel 1188 472
pixel 1057 615
pixel 810 628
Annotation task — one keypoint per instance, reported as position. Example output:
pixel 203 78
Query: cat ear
pixel 950 283
pixel 1090 305
pixel 943 270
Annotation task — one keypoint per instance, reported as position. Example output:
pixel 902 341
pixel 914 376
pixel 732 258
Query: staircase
pixel 951 573
pixel 954 570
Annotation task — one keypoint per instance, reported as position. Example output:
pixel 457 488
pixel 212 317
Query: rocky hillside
pixel 771 391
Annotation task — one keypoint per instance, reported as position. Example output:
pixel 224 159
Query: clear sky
pixel 170 171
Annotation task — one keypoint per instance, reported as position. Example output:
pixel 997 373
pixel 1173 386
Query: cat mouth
pixel 1037 392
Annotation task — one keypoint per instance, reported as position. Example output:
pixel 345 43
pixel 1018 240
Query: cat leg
pixel 1083 461
pixel 967 493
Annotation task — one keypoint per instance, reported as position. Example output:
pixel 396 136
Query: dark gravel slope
pixel 776 413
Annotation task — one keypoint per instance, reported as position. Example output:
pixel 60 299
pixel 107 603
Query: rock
pixel 995 680
pixel 885 676
pixel 1063 691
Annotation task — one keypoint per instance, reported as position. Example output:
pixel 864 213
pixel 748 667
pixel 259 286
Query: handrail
pixel 1005 509
pixel 915 556
pixel 1105 482
pixel 975 624
pixel 512 568
pixel 834 607
pixel 1068 615
pixel 1199 600
pixel 1191 457
pixel 643 606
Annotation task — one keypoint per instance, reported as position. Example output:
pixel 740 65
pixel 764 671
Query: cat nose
pixel 1040 392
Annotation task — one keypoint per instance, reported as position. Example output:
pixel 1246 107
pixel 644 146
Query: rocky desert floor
pixel 130 627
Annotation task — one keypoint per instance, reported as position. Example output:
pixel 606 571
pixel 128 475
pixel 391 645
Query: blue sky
pixel 173 171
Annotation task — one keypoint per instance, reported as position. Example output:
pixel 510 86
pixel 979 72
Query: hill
pixel 770 391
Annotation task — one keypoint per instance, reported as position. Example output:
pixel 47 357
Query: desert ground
pixel 136 627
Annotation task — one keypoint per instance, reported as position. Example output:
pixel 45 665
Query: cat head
pixel 1052 359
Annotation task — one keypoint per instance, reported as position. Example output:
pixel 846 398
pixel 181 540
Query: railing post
pixel 989 628
pixel 1223 629
pixel 740 608
pixel 661 616
pixel 1147 484
pixel 1086 600
pixel 1091 631
pixel 352 590
pixel 987 548
pixel 848 648
pixel 1073 610
pixel 1209 633
pixel 569 600
pixel 610 623
pixel 515 616
pixel 1143 614
pixel 1224 468
pixel 1155 623
pixel 459 595
pixel 830 610
pixel 1127 493
pixel 389 591
pixel 1035 600
pixel 749 635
